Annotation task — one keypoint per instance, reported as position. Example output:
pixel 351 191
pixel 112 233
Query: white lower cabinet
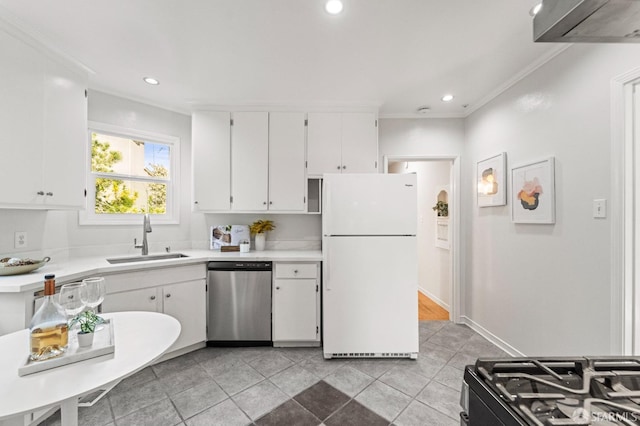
pixel 183 300
pixel 134 300
pixel 187 303
pixel 296 304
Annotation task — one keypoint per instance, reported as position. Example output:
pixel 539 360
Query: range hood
pixel 588 21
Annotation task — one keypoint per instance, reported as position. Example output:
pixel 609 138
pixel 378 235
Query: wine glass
pixel 73 298
pixel 95 292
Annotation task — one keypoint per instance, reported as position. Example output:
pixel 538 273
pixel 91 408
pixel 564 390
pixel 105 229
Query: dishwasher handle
pixel 239 266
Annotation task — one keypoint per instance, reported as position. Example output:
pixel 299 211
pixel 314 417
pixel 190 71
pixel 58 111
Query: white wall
pixel 545 289
pixel 54 232
pixel 194 227
pixel 293 231
pixel 57 233
pixel 434 269
pixel 420 137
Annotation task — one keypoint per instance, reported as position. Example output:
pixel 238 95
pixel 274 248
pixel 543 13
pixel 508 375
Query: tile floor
pixel 277 386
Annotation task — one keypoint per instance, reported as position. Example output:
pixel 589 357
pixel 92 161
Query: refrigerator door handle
pixel 327 196
pixel 327 276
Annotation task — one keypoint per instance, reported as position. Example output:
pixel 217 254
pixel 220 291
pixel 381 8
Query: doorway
pixel 438 222
pixel 625 214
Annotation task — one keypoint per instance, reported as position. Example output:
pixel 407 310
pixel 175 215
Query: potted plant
pixel 87 321
pixel 442 208
pixel 259 228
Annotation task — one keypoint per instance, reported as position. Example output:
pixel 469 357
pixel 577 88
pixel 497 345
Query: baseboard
pixel 491 337
pixel 436 299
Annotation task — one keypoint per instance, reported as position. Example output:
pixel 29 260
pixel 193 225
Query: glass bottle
pixel 49 329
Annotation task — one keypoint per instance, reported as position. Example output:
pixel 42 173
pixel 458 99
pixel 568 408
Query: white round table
pixel 140 338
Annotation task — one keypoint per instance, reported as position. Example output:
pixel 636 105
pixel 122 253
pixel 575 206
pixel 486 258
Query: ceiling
pixel 395 55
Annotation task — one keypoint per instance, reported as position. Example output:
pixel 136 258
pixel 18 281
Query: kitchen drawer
pixel 296 270
pixel 153 277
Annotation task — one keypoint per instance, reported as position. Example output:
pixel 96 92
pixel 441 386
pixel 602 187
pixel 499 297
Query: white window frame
pixel 172 215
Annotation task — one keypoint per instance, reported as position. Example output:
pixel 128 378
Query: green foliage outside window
pixel 113 195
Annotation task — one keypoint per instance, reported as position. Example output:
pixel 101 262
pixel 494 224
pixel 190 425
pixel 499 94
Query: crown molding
pixel 139 99
pixel 319 106
pixel 429 115
pixel 15 27
pixel 533 66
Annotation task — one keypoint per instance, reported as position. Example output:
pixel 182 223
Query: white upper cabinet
pixel 359 143
pixel 21 95
pixel 211 154
pixel 342 143
pixel 286 162
pixel 65 137
pixel 324 143
pixel 43 117
pixel 261 162
pixel 249 161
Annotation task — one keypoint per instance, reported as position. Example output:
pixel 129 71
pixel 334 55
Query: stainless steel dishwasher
pixel 239 304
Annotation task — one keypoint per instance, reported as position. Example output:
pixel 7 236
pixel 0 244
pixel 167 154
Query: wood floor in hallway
pixel 430 310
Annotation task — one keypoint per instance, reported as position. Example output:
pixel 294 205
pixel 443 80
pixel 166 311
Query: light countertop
pixel 82 267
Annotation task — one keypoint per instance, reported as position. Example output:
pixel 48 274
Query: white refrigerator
pixel 370 267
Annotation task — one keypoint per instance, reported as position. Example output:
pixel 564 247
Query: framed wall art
pixel 533 192
pixel 491 178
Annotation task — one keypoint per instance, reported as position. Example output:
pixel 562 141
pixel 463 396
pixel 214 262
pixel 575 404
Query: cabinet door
pixel 65 136
pixel 249 161
pixel 147 299
pixel 186 302
pixel 21 129
pixel 286 162
pixel 324 133
pixel 359 143
pixel 294 309
pixel 211 159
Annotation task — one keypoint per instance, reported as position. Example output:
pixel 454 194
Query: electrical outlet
pixel 20 239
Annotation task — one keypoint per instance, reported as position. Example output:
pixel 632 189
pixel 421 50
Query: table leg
pixel 69 412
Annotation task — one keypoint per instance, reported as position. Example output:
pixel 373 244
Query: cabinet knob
pixel 49 194
pixel 277 288
pixel 265 203
pixel 152 298
pixel 338 167
pixel 344 167
pixel 168 295
pixel 195 202
pixel 40 192
pixel 270 202
pixel 295 271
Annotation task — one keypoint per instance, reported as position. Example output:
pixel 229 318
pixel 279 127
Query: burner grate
pixel 568 391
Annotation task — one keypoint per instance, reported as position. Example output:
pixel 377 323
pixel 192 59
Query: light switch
pixel 599 208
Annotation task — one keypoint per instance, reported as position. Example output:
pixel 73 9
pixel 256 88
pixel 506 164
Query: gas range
pixel 598 391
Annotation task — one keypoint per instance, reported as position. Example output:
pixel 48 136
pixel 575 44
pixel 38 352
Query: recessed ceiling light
pixel 151 80
pixel 333 7
pixel 423 109
pixel 535 9
pixel 447 98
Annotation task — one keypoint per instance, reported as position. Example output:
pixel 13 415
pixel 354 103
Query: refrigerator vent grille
pixel 371 355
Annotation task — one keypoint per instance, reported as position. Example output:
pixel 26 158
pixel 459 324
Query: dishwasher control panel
pixel 239 266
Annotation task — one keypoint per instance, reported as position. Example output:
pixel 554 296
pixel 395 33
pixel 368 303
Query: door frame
pixel 455 248
pixel 624 232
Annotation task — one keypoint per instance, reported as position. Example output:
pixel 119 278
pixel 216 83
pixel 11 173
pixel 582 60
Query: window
pixel 130 173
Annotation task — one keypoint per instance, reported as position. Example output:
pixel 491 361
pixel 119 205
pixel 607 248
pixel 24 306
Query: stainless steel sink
pixel 146 258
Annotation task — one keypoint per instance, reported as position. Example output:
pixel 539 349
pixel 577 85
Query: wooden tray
pixel 230 248
pixel 103 346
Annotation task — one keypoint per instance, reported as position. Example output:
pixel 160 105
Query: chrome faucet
pixel 146 228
